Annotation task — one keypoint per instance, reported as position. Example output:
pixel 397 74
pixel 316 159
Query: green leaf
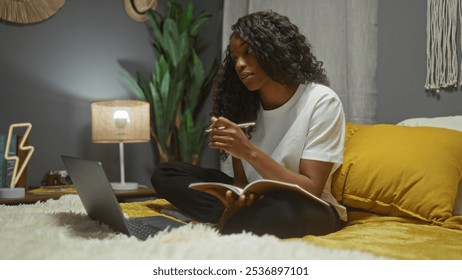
pixel 155 18
pixel 161 68
pixel 165 87
pixel 134 86
pixel 174 100
pixel 199 23
pixel 186 18
pixel 197 77
pixel 144 85
pixel 184 136
pixel 156 27
pixel 191 137
pixel 184 46
pixel 160 127
pixel 171 49
pixel 174 9
pixel 170 27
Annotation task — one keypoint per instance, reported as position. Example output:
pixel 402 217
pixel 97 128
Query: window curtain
pixel 343 35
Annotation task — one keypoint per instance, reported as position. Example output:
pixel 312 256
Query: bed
pixel 401 185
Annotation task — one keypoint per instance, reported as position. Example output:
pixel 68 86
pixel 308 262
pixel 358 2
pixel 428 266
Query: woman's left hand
pixel 228 136
pixel 233 204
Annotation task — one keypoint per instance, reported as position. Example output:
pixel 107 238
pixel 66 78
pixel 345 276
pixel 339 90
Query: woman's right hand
pixel 228 136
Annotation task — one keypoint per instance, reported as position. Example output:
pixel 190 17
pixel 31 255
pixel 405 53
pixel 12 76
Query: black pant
pixel 281 213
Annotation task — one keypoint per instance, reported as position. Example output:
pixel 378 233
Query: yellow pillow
pixel 400 171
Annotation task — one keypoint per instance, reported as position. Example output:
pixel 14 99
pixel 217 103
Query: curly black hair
pixel 282 52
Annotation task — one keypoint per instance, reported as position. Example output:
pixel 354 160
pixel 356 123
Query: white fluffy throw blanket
pixel 60 230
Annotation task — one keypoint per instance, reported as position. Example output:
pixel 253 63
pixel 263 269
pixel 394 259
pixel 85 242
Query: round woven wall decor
pixel 28 11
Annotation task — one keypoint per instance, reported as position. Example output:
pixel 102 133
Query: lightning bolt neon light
pixel 22 147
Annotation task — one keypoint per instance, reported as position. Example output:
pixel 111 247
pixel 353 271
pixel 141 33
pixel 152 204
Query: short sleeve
pixel 326 133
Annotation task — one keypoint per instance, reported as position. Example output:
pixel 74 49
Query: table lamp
pixel 120 121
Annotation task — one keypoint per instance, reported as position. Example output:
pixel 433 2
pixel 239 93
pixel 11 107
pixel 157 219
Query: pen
pixel 241 125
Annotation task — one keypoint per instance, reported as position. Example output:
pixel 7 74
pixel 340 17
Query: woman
pixel 269 75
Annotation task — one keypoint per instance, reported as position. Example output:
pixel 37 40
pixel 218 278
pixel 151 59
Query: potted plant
pixel 178 86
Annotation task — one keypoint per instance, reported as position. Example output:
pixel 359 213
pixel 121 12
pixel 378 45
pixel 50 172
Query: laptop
pixel 100 202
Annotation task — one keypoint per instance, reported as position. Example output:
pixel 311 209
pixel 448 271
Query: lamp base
pixel 12 192
pixel 127 186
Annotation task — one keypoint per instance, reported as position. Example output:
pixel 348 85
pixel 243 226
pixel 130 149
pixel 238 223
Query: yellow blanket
pixel 389 237
pixel 393 237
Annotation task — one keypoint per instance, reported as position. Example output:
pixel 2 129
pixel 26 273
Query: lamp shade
pixel 116 121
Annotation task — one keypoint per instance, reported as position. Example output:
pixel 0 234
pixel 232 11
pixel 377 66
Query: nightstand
pixel 35 194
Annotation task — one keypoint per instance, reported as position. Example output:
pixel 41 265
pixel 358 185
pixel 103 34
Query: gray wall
pixel 402 66
pixel 50 73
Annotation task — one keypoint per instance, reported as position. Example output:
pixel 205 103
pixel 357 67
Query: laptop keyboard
pixel 140 229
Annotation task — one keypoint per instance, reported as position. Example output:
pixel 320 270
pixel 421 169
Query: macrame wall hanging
pixel 444 18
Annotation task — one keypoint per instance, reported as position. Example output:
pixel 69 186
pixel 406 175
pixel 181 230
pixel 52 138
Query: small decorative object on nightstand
pixel 120 121
pixel 13 192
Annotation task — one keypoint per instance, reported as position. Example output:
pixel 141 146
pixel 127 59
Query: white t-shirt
pixel 310 125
